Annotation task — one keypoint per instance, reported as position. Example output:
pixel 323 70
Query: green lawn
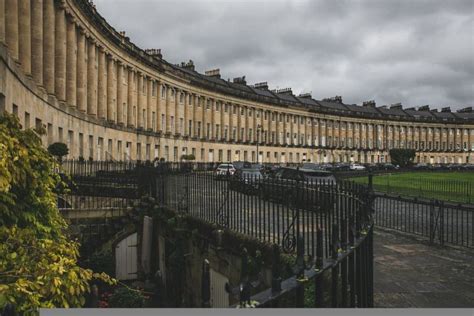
pixel 449 186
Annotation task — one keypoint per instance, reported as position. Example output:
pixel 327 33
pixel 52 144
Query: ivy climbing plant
pixel 38 263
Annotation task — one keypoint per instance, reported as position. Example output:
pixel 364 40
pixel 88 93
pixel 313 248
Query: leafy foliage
pixel 402 157
pixel 59 150
pixel 127 298
pixel 38 264
pixel 188 157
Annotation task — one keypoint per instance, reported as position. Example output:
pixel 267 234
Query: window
pixel 181 126
pixel 181 97
pixel 163 92
pixel 15 109
pixel 163 122
pixel 38 124
pixel 27 120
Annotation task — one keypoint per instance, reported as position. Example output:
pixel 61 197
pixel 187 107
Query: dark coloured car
pixel 246 181
pixel 300 188
pixel 389 166
pixel 241 165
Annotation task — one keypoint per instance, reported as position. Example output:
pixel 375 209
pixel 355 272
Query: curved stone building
pixel 63 67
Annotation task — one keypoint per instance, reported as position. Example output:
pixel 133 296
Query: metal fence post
pixel 245 284
pixel 432 228
pixel 206 285
pixel 318 280
pixel 276 278
pixel 300 267
pixel 441 223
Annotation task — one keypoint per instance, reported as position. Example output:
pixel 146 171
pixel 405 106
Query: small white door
pixel 126 258
pixel 219 296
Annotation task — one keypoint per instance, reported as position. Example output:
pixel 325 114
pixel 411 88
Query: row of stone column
pixel 52 47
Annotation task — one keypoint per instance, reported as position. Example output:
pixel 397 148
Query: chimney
pixel 213 73
pixel 154 52
pixel 337 99
pixel 188 65
pixel 261 85
pixel 446 109
pixel 283 91
pixel 370 103
pixel 466 110
pixel 240 80
pixel 305 95
pixel 396 106
pixel 424 108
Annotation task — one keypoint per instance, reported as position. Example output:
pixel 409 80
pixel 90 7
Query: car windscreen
pixel 224 166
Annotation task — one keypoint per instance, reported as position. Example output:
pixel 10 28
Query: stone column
pixel 48 45
pixel 149 120
pixel 204 118
pixel 81 72
pixel 11 27
pixel 91 78
pixel 60 55
pixel 140 121
pixel 111 92
pixel 102 85
pixel 185 114
pixel 36 40
pixel 24 30
pixel 239 123
pixel 193 132
pixel 158 106
pixel 71 63
pixel 131 74
pixel 167 109
pixel 120 93
pixel 2 21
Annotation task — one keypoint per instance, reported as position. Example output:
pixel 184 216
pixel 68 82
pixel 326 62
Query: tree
pixel 38 263
pixel 58 150
pixel 188 157
pixel 402 157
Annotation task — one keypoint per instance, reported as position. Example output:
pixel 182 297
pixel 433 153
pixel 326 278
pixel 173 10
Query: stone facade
pixel 63 67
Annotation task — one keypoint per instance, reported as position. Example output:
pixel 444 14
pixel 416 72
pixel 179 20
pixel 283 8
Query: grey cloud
pixel 414 52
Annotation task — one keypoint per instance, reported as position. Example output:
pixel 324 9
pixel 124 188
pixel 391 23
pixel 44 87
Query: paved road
pixel 411 273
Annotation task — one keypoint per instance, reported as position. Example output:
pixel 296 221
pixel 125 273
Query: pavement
pixel 412 273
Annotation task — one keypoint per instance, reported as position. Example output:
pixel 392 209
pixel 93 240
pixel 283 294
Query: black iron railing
pixel 439 221
pixel 325 225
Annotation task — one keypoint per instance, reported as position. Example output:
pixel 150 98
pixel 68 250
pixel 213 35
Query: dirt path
pixel 411 273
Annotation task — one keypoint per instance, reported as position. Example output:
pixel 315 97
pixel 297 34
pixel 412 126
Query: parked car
pixel 389 166
pixel 241 164
pixel 246 181
pixel 224 170
pixel 302 188
pixel 312 166
pixel 356 166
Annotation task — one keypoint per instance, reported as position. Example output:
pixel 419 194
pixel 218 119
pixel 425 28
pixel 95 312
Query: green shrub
pixel 58 150
pixel 126 298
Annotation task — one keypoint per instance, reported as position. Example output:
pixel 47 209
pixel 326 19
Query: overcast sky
pixel 411 51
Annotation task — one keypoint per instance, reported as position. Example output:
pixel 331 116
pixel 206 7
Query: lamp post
pixel 259 127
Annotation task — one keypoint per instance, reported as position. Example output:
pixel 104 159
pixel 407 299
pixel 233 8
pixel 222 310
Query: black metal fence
pixel 326 225
pixel 439 221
